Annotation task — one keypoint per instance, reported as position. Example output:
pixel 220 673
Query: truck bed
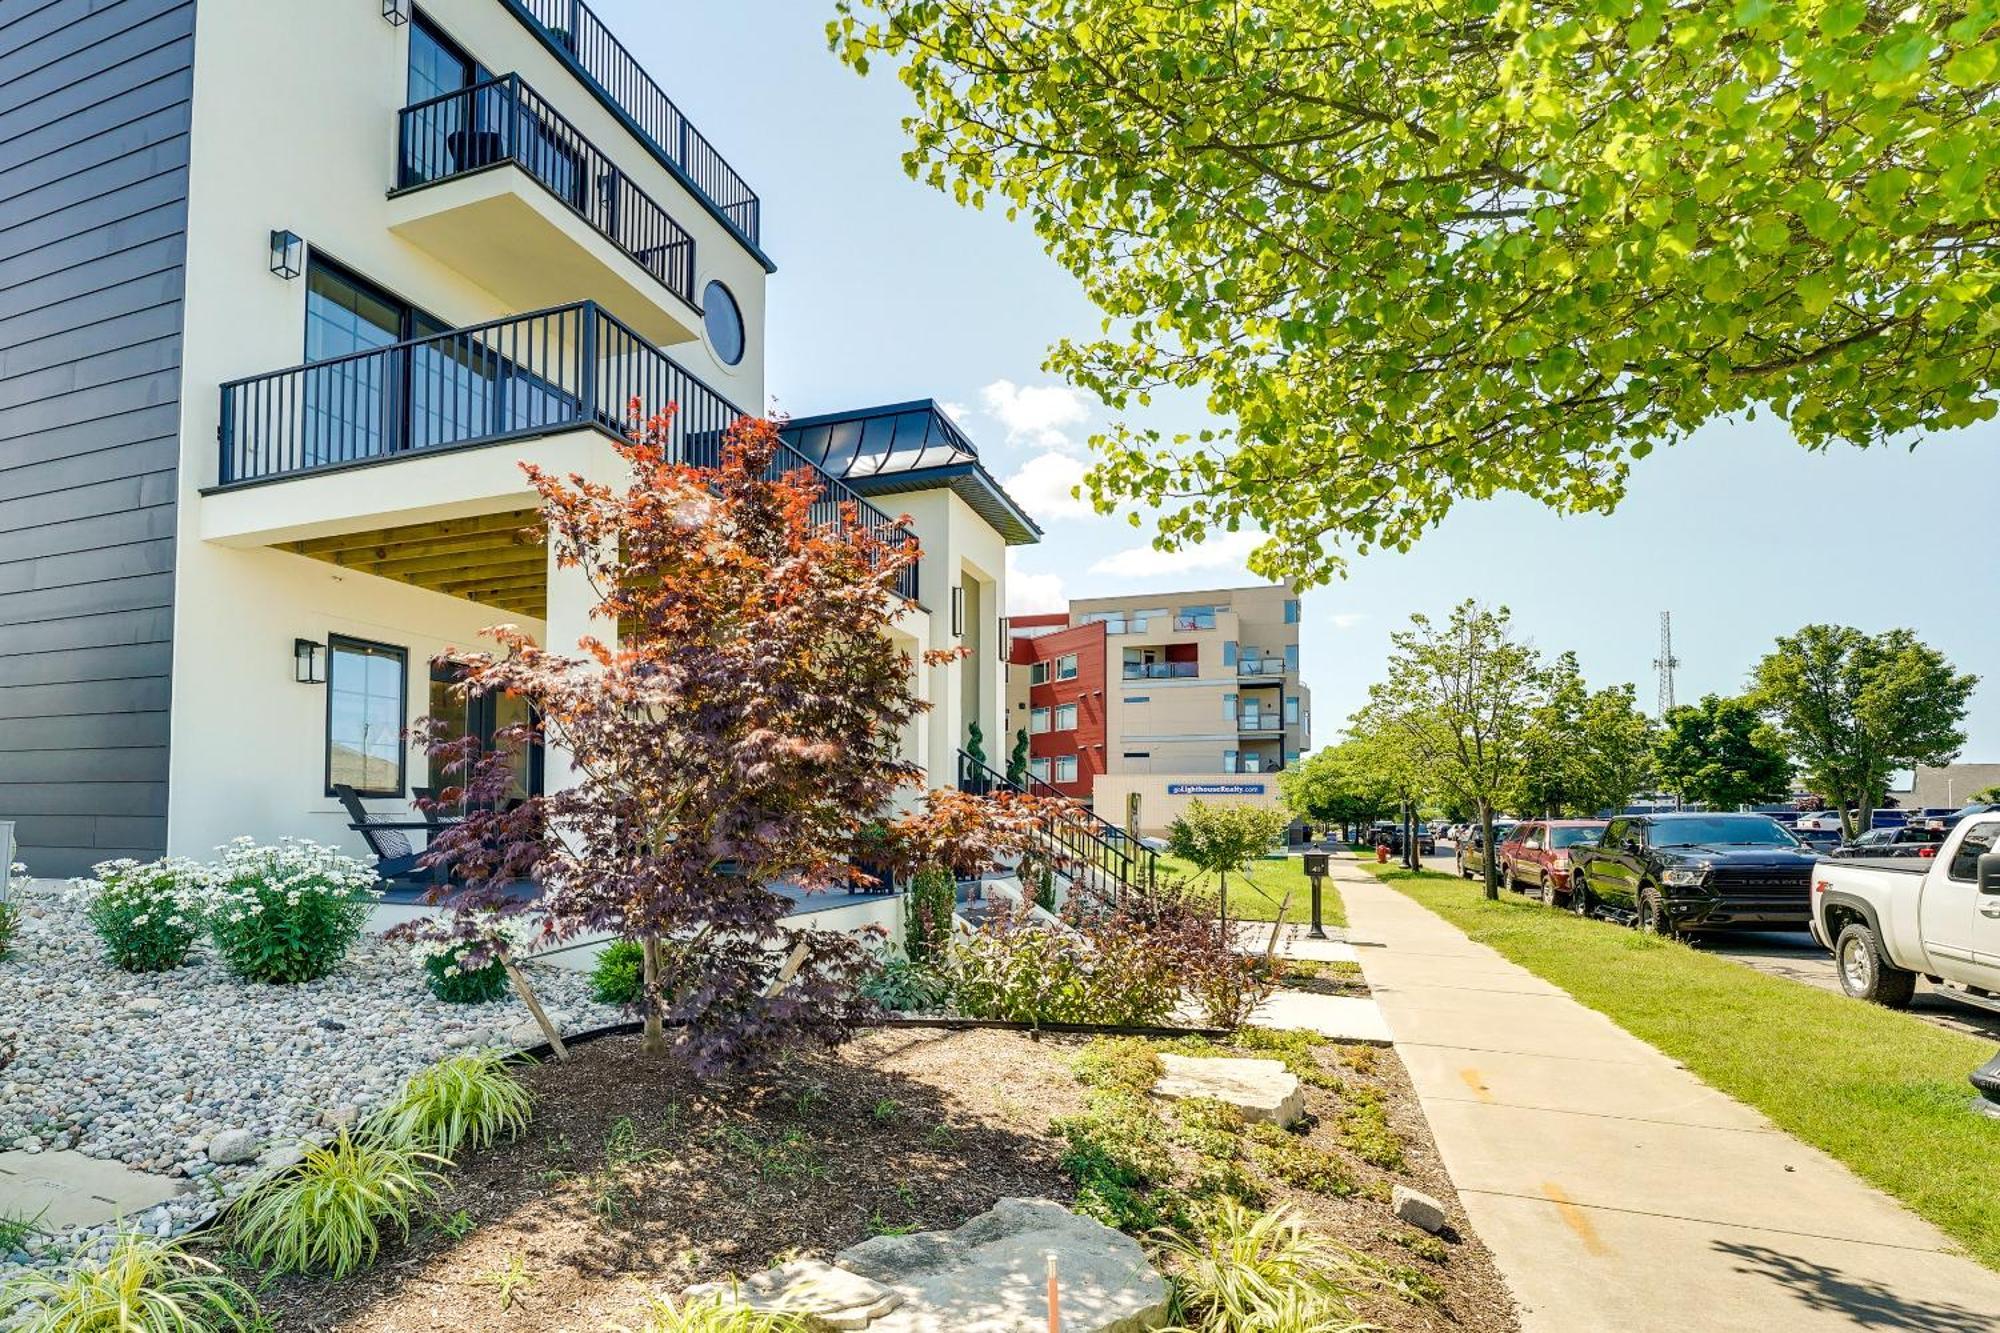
pixel 1901 865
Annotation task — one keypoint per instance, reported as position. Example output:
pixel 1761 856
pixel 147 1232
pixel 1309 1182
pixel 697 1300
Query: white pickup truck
pixel 1889 922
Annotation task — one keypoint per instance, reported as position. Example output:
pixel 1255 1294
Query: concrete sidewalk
pixel 1615 1189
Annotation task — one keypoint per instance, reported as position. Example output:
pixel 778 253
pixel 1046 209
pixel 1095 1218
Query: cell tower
pixel 1666 662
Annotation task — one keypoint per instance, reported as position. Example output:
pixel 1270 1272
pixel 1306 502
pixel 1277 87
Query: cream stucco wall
pixel 958 544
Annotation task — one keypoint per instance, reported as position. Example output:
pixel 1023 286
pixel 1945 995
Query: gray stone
pixel 282 1158
pixel 524 1035
pixel 345 1116
pixel 1260 1089
pixel 1417 1208
pixel 833 1297
pixel 233 1145
pixel 148 1004
pixel 991 1275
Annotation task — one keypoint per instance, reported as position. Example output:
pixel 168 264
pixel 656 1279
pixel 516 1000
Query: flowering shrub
pixel 148 916
pixel 287 913
pixel 455 981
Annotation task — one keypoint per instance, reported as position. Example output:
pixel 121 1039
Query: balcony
pixel 571 368
pixel 1257 722
pixel 580 38
pixel 1261 666
pixel 1161 670
pixel 580 228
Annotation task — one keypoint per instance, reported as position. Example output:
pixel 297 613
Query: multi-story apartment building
pixel 1162 698
pixel 288 290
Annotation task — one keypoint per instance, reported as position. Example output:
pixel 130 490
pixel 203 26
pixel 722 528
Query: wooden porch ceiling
pixel 496 559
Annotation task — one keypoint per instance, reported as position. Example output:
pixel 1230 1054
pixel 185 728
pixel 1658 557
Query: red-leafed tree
pixel 735 725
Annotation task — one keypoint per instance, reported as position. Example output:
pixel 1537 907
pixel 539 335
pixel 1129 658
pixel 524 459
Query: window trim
pixel 1057 768
pixel 1039 718
pixel 1038 762
pixel 335 642
pixel 1056 722
pixel 1071 671
pixel 1038 672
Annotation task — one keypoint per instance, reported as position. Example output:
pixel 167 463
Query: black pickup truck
pixel 1676 873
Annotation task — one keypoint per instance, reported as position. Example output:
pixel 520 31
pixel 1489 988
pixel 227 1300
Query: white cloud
pixel 1044 484
pixel 1028 593
pixel 1035 414
pixel 1347 619
pixel 1226 552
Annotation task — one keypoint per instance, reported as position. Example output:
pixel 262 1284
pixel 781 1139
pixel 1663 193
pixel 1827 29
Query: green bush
pixel 929 905
pixel 142 1285
pixel 620 973
pixel 147 916
pixel 1256 1273
pixel 454 983
pixel 903 986
pixel 1290 1159
pixel 287 913
pixel 468 1100
pixel 327 1214
pixel 1098 972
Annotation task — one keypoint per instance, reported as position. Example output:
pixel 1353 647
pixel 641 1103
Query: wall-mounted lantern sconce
pixel 958 610
pixel 396 11
pixel 288 254
pixel 308 662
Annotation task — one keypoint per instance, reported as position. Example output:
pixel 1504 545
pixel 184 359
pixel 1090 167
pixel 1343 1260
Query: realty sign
pixel 1215 789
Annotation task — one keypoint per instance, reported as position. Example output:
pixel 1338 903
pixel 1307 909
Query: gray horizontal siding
pixel 93 215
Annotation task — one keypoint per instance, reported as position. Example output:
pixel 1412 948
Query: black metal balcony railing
pixel 572 26
pixel 569 368
pixel 504 120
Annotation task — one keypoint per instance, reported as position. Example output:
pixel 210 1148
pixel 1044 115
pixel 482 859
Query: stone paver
pixel 1342 1017
pixel 1295 941
pixel 68 1189
pixel 1614 1188
pixel 1259 1089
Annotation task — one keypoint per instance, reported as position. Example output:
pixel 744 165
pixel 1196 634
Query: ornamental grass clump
pixel 327 1214
pixel 10 915
pixel 287 913
pixel 466 1101
pixel 141 1286
pixel 147 916
pixel 714 1314
pixel 1251 1272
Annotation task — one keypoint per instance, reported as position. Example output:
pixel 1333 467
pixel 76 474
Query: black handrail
pixel 568 368
pixel 622 80
pixel 1093 851
pixel 504 120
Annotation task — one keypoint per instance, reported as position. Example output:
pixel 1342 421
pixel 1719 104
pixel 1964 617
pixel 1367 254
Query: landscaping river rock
pixel 195 1075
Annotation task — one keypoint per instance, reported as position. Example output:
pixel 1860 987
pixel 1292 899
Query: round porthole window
pixel 725 323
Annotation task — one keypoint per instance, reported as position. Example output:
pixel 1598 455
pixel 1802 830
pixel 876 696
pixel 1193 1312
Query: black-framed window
pixel 439 65
pixel 367 707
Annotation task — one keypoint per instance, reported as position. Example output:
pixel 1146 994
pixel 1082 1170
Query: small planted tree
pixel 1222 840
pixel 1017 761
pixel 735 728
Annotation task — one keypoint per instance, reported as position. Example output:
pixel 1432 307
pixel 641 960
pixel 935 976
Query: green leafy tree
pixel 1458 705
pixel 1721 753
pixel 1854 708
pixel 1222 840
pixel 1337 785
pixel 1418 253
pixel 1017 761
pixel 1586 750
pixel 1985 795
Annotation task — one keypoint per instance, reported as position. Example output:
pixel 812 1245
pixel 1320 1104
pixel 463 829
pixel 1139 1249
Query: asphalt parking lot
pixel 1795 956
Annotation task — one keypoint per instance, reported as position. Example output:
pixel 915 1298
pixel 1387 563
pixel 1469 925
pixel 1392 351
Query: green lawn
pixel 1884 1092
pixel 1268 883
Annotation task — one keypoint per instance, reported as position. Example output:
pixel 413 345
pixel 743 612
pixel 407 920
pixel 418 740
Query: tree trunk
pixel 655 1041
pixel 526 991
pixel 1490 868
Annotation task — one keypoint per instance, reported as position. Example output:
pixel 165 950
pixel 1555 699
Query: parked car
pixel 1390 835
pixel 1890 921
pixel 1906 841
pixel 1470 853
pixel 1818 821
pixel 1675 873
pixel 1535 857
pixel 1946 823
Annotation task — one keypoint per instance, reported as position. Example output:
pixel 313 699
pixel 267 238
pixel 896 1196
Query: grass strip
pixel 1268 882
pixel 1883 1092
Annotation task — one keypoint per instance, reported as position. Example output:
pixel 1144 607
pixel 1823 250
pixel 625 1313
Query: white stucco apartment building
pixel 288 289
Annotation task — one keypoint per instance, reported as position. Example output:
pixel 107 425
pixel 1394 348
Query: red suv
pixel 1535 857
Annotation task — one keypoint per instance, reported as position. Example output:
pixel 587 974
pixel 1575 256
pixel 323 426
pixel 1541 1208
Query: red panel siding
pixel 1086 692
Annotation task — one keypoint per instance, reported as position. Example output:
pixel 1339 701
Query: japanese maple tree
pixel 734 726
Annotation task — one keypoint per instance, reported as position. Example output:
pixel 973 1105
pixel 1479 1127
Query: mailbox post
pixel 1316 871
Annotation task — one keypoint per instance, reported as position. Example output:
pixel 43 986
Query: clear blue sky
pixel 887 290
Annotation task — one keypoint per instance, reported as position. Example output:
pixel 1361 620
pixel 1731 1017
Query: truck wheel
pixel 1653 919
pixel 1550 898
pixel 1865 974
pixel 1580 901
pixel 1507 880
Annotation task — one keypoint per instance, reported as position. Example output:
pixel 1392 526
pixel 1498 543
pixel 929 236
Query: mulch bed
pixel 636 1179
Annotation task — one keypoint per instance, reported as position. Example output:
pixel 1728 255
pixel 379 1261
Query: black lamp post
pixel 1316 871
